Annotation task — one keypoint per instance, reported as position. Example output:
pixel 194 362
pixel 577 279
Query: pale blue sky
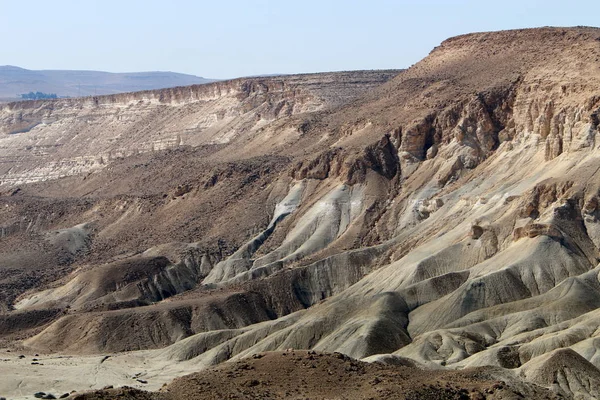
pixel 230 38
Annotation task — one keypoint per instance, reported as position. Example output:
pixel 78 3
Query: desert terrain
pixel 426 233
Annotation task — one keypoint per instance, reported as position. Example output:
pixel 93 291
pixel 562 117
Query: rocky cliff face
pixel 448 216
pixel 50 139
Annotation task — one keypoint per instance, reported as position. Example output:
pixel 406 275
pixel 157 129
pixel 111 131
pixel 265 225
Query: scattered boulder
pixel 532 230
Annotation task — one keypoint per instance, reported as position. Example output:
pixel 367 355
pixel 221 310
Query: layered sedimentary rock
pixel 51 139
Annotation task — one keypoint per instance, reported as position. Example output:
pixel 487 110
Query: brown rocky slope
pixel 308 374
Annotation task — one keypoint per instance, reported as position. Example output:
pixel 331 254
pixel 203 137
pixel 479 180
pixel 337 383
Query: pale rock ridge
pixel 50 139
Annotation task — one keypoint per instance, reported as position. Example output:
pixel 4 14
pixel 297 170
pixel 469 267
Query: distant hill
pixel 15 81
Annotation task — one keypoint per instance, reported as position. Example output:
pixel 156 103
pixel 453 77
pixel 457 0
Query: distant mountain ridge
pixel 72 83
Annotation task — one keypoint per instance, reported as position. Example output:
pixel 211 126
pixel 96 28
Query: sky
pixel 232 38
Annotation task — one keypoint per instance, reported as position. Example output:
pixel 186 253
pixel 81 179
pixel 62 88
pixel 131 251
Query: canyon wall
pixel 42 140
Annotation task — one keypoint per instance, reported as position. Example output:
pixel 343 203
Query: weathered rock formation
pixel 50 139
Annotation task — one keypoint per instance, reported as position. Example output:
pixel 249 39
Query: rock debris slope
pixel 448 216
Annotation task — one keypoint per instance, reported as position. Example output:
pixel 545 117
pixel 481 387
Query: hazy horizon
pixel 234 39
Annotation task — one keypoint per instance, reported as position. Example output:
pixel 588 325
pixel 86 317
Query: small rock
pixel 432 152
pixel 39 395
pixel 142 381
pixel 476 231
pixel 108 387
pixel 64 396
pixel 21 356
pixel 49 396
pixel 252 383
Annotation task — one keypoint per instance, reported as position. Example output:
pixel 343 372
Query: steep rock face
pixel 44 140
pixel 478 98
